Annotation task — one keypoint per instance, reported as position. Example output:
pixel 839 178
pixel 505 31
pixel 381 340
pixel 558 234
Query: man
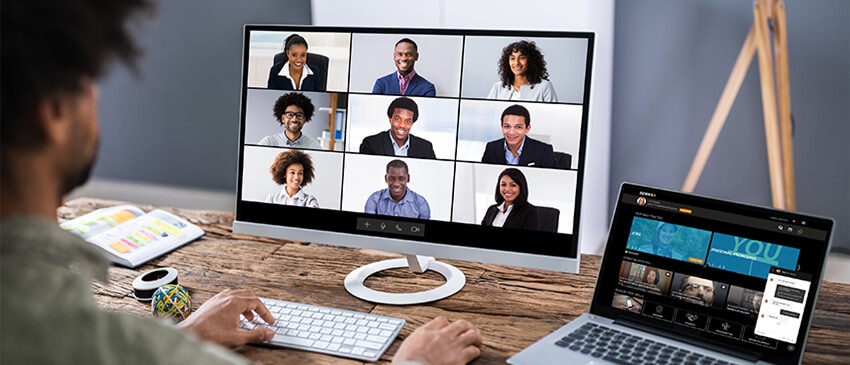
pixel 398 141
pixel 52 53
pixel 515 148
pixel 697 290
pixel 292 111
pixel 405 80
pixel 397 200
pixel 757 298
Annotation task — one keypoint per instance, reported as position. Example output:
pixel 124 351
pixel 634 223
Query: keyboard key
pixel 289 340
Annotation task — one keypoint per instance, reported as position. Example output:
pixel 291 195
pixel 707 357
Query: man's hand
pixel 440 343
pixel 217 320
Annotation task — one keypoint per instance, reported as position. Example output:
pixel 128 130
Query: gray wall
pixel 671 62
pixel 178 122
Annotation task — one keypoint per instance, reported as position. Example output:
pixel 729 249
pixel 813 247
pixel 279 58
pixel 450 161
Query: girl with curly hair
pixel 294 170
pixel 523 74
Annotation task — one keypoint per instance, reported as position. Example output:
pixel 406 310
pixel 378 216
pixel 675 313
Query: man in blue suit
pixel 398 141
pixel 405 81
pixel 516 148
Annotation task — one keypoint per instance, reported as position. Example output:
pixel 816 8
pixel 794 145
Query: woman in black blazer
pixel 296 73
pixel 512 209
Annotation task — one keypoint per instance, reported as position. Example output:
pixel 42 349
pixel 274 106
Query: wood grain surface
pixel 513 307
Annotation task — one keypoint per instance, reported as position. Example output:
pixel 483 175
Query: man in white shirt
pixel 292 111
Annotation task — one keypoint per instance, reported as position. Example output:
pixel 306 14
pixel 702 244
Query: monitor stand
pixel 455 280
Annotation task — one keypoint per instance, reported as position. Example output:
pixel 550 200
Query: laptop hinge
pixel 750 356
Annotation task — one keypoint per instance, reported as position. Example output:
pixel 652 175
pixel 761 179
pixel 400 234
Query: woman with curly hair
pixel 523 74
pixel 294 170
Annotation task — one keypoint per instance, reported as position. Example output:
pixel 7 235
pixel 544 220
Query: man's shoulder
pixel 311 142
pixel 388 77
pixel 378 194
pixel 422 79
pixel 375 138
pixel 416 196
pixel 536 143
pixel 495 144
pixel 419 140
pixel 538 148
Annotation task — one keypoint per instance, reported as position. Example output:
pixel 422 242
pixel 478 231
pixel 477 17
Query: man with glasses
pixel 292 111
pixel 697 290
pixel 398 141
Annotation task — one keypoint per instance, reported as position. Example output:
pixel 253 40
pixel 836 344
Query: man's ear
pixel 54 119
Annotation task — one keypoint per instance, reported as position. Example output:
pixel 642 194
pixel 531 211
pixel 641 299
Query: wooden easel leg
pixel 768 98
pixel 784 89
pixel 721 112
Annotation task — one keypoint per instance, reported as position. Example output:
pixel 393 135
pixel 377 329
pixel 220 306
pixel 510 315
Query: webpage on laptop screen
pixel 736 281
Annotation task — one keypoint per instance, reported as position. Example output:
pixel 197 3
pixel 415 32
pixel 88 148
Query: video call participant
pixel 397 199
pixel 48 144
pixel 651 278
pixel 697 290
pixel 405 80
pixel 296 73
pixel 662 242
pixel 756 304
pixel 512 209
pixel 292 111
pixel 294 170
pixel 523 75
pixel 398 141
pixel 515 148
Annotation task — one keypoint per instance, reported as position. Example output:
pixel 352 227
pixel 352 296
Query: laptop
pixel 692 279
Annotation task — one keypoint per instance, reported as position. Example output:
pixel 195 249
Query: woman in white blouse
pixel 294 170
pixel 523 75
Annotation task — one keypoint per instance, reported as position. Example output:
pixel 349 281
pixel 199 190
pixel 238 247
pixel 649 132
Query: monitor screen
pixel 461 144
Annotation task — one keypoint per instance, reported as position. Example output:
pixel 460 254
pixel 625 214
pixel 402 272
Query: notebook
pixel 692 279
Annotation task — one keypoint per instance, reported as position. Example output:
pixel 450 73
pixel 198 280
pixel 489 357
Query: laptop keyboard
pixel 333 331
pixel 623 348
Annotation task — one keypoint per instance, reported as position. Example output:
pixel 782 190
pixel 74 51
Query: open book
pixel 130 237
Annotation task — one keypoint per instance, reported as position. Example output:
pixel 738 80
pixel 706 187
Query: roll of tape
pixel 147 283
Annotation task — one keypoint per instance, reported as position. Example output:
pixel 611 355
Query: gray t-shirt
pixel 280 140
pixel 49 316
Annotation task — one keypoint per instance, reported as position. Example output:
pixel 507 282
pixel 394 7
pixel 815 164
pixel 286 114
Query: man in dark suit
pixel 516 148
pixel 398 141
pixel 405 80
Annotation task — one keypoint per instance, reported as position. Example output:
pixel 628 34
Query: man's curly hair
pixel 536 71
pixel 297 99
pixel 50 48
pixel 284 159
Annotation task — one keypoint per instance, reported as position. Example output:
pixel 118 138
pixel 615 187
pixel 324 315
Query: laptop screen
pixel 726 275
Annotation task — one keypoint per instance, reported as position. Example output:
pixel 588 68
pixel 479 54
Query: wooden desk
pixel 513 307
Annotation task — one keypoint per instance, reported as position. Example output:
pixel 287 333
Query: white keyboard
pixel 333 331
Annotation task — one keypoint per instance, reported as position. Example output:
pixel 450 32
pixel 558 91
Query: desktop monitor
pixel 457 144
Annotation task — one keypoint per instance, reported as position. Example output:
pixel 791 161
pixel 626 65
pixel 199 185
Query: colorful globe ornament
pixel 171 301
